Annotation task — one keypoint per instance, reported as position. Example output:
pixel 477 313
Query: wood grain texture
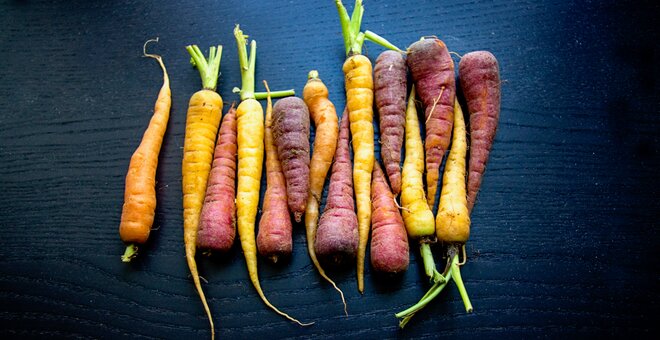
pixel 564 233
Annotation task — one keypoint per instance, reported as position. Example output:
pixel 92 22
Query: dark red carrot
pixel 274 237
pixel 432 70
pixel 217 224
pixel 291 136
pixel 337 235
pixel 479 76
pixel 390 91
pixel 389 241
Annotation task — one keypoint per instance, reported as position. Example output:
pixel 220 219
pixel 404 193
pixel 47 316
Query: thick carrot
pixel 291 136
pixel 359 100
pixel 203 118
pixel 324 115
pixel 217 224
pixel 139 209
pixel 250 123
pixel 417 214
pixel 274 238
pixel 432 70
pixel 390 89
pixel 479 76
pixel 453 220
pixel 337 236
pixel 389 242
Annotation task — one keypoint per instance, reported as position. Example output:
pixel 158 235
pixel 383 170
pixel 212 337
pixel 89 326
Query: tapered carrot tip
pixel 297 216
pixel 130 253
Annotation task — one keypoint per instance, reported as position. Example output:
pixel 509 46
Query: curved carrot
pixel 359 100
pixel 324 115
pixel 139 209
pixel 217 225
pixel 480 80
pixel 274 238
pixel 250 120
pixel 432 70
pixel 202 120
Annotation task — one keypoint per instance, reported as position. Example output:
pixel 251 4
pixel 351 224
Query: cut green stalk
pixel 130 253
pixel 429 263
pixel 209 69
pixel 350 27
pixel 459 283
pixel 437 287
pixel 377 39
pixel 247 70
pixel 274 94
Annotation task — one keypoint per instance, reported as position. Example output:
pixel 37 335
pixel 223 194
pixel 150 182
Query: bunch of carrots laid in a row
pixel 223 157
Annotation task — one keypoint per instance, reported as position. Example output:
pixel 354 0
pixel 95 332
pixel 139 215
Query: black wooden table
pixel 564 238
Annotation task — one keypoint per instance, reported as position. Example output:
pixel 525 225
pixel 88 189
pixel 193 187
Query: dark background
pixel 564 235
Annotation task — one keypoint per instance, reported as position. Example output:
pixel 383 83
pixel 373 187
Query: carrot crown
pixel 350 27
pixel 209 69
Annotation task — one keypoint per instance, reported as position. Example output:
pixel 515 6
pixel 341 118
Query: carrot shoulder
pixel 138 211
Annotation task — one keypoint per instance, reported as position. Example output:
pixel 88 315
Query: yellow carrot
pixel 359 101
pixel 250 126
pixel 202 121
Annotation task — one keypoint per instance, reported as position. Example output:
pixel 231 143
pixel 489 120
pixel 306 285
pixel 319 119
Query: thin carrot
pixel 324 115
pixel 250 119
pixel 359 100
pixel 137 216
pixel 203 118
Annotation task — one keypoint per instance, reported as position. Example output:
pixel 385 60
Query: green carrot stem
pixel 437 287
pixel 313 74
pixel 247 64
pixel 350 27
pixel 274 94
pixel 429 263
pixel 459 283
pixel 377 39
pixel 130 253
pixel 209 69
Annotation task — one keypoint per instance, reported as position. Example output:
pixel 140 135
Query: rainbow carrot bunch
pixel 137 215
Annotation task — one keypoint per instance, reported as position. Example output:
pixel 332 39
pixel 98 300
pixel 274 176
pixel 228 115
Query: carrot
pixel 337 236
pixel 390 90
pixel 217 224
pixel 389 242
pixel 417 214
pixel 203 118
pixel 453 220
pixel 291 136
pixel 359 100
pixel 139 209
pixel 432 70
pixel 479 76
pixel 324 115
pixel 250 123
pixel 274 238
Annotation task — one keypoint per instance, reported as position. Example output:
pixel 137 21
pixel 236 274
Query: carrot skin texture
pixel 479 76
pixel 337 235
pixel 274 238
pixel 203 118
pixel 217 224
pixel 453 219
pixel 139 209
pixel 432 70
pixel 389 241
pixel 359 100
pixel 390 86
pixel 291 136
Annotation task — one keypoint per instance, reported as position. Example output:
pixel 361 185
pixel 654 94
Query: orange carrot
pixel 137 216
